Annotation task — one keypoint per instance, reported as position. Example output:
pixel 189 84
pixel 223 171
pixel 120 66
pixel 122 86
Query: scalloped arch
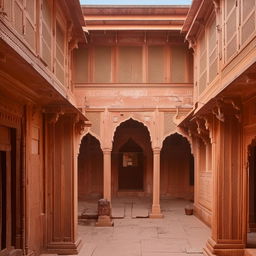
pixel 181 134
pixel 93 135
pixel 134 119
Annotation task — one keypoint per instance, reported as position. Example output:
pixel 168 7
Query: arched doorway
pixel 90 169
pixel 132 160
pixel 177 168
pixel 251 236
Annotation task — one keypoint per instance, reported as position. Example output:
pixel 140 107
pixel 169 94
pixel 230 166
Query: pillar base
pixel 104 221
pixel 156 212
pixel 220 249
pixel 64 248
pixel 156 216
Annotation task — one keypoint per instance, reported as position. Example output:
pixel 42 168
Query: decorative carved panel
pixel 169 125
pixel 205 184
pixel 94 118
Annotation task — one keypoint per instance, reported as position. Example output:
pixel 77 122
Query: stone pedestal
pixel 104 213
pixel 104 221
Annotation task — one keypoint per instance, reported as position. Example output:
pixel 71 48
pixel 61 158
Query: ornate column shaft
pixel 107 174
pixel 227 232
pixel 156 210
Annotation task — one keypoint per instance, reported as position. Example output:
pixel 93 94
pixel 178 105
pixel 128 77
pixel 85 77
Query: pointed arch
pixel 90 168
pixel 136 120
pixel 93 135
pixel 189 140
pixel 135 177
pixel 176 167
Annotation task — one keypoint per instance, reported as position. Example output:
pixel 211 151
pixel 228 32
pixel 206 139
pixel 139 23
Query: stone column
pixel 156 210
pixel 107 174
pixel 61 186
pixel 227 233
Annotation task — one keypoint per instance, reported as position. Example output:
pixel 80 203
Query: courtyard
pixel 174 235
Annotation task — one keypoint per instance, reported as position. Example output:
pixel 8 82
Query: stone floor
pixel 174 235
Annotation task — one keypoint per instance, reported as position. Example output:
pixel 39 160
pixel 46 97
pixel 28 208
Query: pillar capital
pixel 107 150
pixel 156 150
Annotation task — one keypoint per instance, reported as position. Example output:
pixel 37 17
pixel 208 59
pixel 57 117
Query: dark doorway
pixel 130 173
pixel 132 160
pixel 8 189
pixel 3 199
pixel 177 168
pixel 251 237
pixel 90 169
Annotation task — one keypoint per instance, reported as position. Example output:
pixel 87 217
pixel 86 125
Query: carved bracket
pixel 192 43
pixel 177 117
pixel 81 126
pixel 218 112
pixel 73 44
pixel 216 4
pixel 230 106
pixel 53 117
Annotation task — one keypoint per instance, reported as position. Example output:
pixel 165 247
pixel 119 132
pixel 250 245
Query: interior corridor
pixel 176 234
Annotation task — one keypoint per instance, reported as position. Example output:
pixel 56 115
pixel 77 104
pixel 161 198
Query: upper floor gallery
pixel 222 34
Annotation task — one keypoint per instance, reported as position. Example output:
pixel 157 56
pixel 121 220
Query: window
pixel 230 28
pixel 212 51
pixel 130 159
pixel 60 53
pixel 156 64
pixel 46 33
pixel 130 64
pixel 202 63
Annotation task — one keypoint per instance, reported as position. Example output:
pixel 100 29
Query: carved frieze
pixel 10 113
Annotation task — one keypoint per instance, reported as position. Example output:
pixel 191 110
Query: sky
pixel 136 2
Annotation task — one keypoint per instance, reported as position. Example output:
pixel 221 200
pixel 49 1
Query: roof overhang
pixel 197 16
pixel 134 17
pixel 74 13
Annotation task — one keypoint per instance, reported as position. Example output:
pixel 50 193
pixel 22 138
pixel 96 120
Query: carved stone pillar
pixel 227 232
pixel 107 174
pixel 61 185
pixel 156 210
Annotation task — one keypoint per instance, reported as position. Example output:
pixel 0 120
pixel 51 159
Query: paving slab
pixel 122 248
pixel 164 245
pixel 140 211
pixel 118 211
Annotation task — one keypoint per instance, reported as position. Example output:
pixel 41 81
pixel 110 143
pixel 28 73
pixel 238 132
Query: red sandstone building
pixel 105 102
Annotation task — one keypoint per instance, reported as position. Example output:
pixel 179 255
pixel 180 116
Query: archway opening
pixel 90 169
pixel 177 168
pixel 131 160
pixel 251 235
